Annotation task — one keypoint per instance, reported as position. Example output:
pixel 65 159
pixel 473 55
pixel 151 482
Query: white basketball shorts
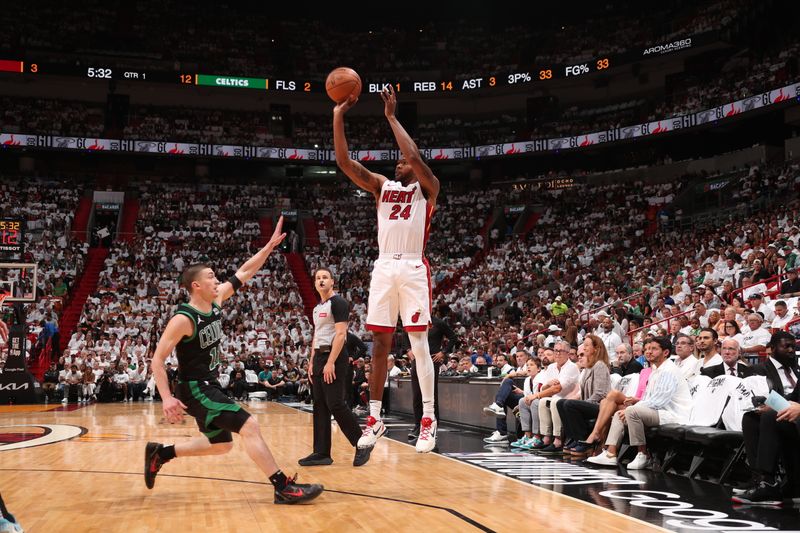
pixel 400 285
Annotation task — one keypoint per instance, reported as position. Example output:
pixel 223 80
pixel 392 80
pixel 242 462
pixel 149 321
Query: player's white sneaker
pixel 427 435
pixel 372 432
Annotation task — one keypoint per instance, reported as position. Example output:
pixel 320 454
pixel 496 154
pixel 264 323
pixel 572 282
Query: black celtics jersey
pixel 199 354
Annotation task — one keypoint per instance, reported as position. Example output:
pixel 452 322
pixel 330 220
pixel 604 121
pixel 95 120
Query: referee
pixel 328 360
pixel 438 330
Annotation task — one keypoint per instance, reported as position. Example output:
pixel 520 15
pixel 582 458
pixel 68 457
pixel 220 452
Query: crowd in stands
pixel 180 225
pixel 47 207
pixel 575 227
pixel 51 117
pixel 514 286
pixel 742 76
pixel 706 324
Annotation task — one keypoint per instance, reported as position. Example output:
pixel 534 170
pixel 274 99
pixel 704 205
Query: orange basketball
pixel 341 83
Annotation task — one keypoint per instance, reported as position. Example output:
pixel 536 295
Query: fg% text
pixel 519 77
pixel 576 70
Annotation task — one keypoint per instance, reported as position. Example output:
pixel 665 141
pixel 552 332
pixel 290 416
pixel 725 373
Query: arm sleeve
pixel 340 309
pixel 235 282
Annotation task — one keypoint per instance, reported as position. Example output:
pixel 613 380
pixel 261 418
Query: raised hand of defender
pixel 389 100
pixel 277 236
pixel 173 410
pixel 344 106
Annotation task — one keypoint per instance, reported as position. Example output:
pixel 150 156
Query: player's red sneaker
pixel 295 492
pixel 152 463
pixel 427 435
pixel 372 432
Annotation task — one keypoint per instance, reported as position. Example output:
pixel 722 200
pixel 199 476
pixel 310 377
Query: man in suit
pixel 731 364
pixel 766 438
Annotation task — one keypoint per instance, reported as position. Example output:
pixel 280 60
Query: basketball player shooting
pixel 195 332
pixel 401 281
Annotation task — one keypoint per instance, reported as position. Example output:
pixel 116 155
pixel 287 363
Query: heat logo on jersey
pixel 398 197
pixel 403 219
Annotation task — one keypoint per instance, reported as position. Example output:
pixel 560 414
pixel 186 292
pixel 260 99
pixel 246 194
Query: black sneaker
pixel 315 459
pixel 152 463
pixel 550 449
pixel 362 455
pixel 297 492
pixel 764 494
pixel 739 491
pixel 414 433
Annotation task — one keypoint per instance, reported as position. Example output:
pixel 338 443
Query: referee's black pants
pixel 418 392
pixel 329 399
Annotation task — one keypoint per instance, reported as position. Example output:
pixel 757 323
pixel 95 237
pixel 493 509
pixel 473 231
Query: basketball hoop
pixel 3 296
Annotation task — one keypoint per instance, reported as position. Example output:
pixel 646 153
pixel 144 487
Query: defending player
pixel 401 275
pixel 195 332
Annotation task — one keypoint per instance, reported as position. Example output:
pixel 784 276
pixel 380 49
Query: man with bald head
pixel 731 362
pixel 624 363
pixel 607 334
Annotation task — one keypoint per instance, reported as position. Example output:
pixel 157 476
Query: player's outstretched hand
pixel 3 331
pixel 344 106
pixel 277 236
pixel 173 410
pixel 389 100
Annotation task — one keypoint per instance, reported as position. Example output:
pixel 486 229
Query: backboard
pixel 19 281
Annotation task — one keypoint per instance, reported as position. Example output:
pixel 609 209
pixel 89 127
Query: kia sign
pixel 16 383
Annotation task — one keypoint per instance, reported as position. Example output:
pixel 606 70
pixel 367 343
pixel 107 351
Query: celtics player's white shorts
pixel 400 286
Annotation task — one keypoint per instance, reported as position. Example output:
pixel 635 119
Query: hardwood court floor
pixel 94 482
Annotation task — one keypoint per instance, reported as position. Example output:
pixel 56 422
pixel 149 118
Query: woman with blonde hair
pixel 594 384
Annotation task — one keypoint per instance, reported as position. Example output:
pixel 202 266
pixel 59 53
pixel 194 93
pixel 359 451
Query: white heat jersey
pixel 404 219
